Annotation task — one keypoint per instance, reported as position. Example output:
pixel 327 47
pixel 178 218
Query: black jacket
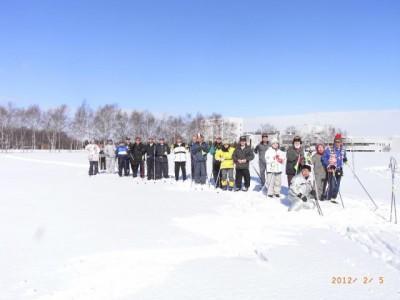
pixel 162 151
pixel 150 150
pixel 245 153
pixel 294 158
pixel 137 151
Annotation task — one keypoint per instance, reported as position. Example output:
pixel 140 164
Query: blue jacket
pixel 339 153
pixel 199 151
pixel 122 151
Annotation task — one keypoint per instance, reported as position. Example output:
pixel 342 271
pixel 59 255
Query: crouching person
pixel 301 190
pixel 225 157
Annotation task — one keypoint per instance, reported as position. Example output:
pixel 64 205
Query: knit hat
pixel 226 142
pixel 338 138
pixel 274 141
pixel 242 138
pixel 264 135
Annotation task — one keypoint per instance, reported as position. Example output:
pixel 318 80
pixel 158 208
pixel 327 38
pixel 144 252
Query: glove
pixel 313 193
pixel 304 198
pixel 300 195
pixel 345 160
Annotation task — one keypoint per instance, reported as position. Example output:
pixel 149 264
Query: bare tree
pixel 121 125
pixel 81 125
pixel 33 119
pixel 267 128
pixel 104 121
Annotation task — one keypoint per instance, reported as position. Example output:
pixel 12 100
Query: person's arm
pixel 256 149
pixel 250 155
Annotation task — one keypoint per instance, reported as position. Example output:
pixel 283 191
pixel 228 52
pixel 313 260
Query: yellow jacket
pixel 225 157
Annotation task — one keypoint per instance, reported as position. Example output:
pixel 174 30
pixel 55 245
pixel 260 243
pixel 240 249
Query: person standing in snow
pixel 122 154
pixel 294 159
pixel 194 141
pixel 242 156
pixel 225 157
pixel 162 151
pixel 275 159
pixel 199 153
pixel 261 149
pixel 94 150
pixel 319 171
pixel 130 161
pixel 216 165
pixel 150 158
pixel 109 151
pixel 137 151
pixel 301 190
pixel 102 158
pixel 180 153
pixel 333 160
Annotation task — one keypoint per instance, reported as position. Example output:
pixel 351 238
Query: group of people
pixel 231 164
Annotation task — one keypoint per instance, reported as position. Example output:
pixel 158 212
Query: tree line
pixel 64 128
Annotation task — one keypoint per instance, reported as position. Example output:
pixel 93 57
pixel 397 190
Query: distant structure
pixel 372 144
pixel 229 127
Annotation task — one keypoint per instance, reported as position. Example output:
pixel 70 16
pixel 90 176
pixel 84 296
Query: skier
pixel 150 158
pixel 122 153
pixel 180 152
pixel 199 152
pixel 319 171
pixel 260 149
pixel 93 149
pixel 194 141
pixel 242 156
pixel 333 160
pixel 136 152
pixel 225 157
pixel 294 159
pixel 275 159
pixel 129 145
pixel 102 158
pixel 162 151
pixel 216 164
pixel 109 151
pixel 301 190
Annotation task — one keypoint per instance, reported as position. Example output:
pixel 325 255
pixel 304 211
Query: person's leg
pixel 96 167
pixel 231 180
pixel 320 182
pixel 165 169
pixel 90 168
pixel 197 172
pixel 120 165
pixel 238 180
pixel 224 177
pixel 183 166
pixel 270 189
pixel 277 184
pixel 289 179
pixel 203 172
pixel 337 186
pixel 215 171
pixel 141 166
pixel 246 178
pixel 331 186
pixel 127 167
pixel 262 165
pixel 177 165
pixel 150 169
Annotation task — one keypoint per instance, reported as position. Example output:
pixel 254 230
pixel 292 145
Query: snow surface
pixel 67 236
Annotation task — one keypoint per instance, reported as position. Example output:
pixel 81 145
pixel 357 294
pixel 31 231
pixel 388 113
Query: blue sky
pixel 239 58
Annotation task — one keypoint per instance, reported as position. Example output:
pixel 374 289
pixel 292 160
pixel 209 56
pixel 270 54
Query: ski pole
pixel 393 168
pixel 363 187
pixel 317 196
pixel 216 181
pixel 340 194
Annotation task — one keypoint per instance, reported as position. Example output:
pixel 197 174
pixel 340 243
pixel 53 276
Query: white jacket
pixel 94 151
pixel 300 185
pixel 180 153
pixel 109 150
pixel 272 157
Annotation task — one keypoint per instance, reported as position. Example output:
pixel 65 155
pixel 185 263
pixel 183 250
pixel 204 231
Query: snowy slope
pixel 68 236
